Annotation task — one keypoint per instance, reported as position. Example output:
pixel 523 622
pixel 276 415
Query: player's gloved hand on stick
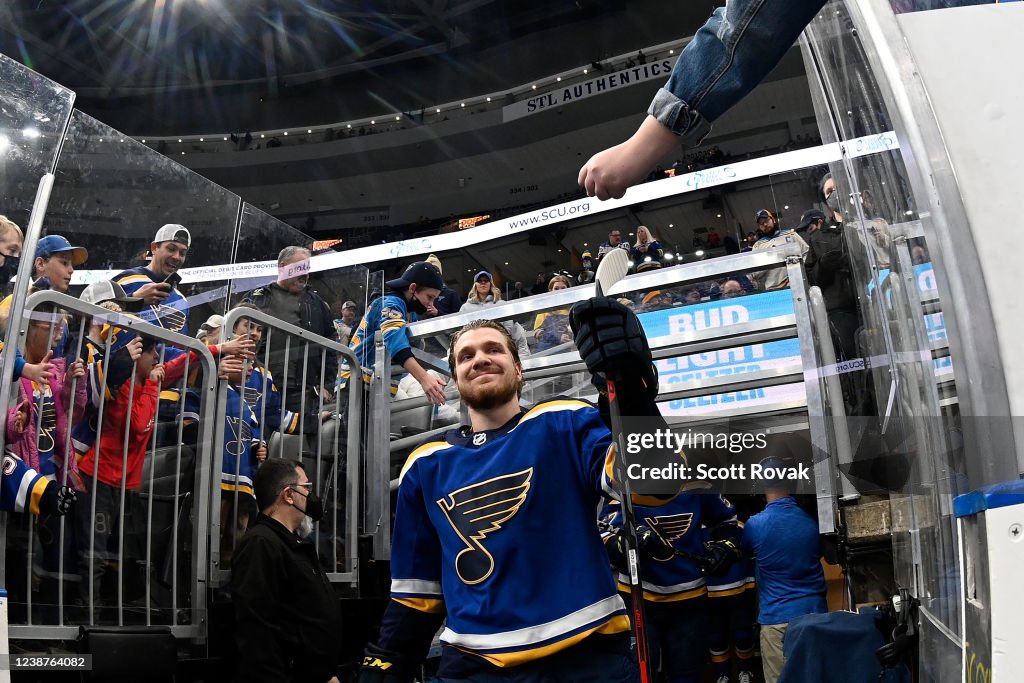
pixel 720 555
pixel 612 343
pixel 383 666
pixel 649 544
pixel 57 499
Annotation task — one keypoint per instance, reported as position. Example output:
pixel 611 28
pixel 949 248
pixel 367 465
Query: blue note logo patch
pixel 481 509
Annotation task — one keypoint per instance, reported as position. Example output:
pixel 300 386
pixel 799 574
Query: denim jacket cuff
pixel 675 114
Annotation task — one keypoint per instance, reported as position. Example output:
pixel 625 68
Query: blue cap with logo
pixel 480 274
pixel 57 244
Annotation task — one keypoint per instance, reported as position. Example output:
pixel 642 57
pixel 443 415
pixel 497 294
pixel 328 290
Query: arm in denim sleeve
pixel 728 56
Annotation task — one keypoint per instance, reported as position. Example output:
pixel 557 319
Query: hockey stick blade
pixel 613 267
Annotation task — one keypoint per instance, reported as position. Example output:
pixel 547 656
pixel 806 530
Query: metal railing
pixel 176 598
pixel 325 449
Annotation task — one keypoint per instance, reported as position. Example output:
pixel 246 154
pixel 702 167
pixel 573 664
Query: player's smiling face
pixel 486 373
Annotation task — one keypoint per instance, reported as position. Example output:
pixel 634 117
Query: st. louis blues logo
pixel 45 440
pixel 241 436
pixel 480 509
pixel 671 527
pixel 167 316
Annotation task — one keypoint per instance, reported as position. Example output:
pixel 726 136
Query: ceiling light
pixel 144 139
pixel 630 234
pixel 908 213
pixel 437 111
pixel 489 99
pixel 670 225
pixel 179 140
pixel 225 137
pixel 182 154
pixel 398 118
pixel 261 135
pixel 202 140
pixel 122 139
pixel 669 256
pixel 463 104
pixel 584 71
pixel 534 86
pixel 350 125
pixel 559 79
pixel 310 130
pixel 506 263
pixel 698 253
pixel 786 206
pixel 671 52
pixel 101 140
pixel 373 123
pixel 286 132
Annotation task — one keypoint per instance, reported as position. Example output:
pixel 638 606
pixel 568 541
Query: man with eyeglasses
pixel 288 621
pixel 614 242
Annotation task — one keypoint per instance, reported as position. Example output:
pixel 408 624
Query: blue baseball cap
pixel 482 273
pixel 57 244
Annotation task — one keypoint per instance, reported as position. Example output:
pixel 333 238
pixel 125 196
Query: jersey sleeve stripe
pixel 416 586
pixel 617 624
pixel 37 494
pixel 422 452
pixel 428 605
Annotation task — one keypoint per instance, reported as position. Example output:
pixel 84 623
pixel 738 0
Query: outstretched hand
pixel 610 173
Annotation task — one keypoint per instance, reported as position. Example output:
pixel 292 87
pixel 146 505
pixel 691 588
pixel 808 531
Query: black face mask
pixel 832 202
pixel 314 507
pixel 416 306
pixel 9 269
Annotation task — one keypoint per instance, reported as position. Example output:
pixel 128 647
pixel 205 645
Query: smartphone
pixel 173 279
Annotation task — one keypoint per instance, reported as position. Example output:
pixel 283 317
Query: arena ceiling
pixel 124 54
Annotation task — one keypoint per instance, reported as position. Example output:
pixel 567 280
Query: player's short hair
pixel 481 323
pixel 271 478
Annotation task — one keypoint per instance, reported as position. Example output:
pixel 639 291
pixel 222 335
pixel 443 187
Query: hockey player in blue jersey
pixel 495 522
pixel 674 575
pixel 732 611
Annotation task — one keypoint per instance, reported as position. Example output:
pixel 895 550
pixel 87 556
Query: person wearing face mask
pixel 11 238
pixel 877 229
pixel 405 299
pixel 287 616
pixel 774 236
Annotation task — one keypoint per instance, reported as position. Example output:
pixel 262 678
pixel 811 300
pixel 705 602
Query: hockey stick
pixel 613 267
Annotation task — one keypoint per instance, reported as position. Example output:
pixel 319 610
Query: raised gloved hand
pixel 612 343
pixel 57 499
pixel 720 555
pixel 383 666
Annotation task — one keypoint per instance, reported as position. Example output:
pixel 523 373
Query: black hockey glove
pixel 612 342
pixel 383 666
pixel 721 554
pixel 56 499
pixel 649 544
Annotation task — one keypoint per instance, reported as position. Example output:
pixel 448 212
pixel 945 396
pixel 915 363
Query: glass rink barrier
pixel 132 549
pixel 149 544
pixel 747 361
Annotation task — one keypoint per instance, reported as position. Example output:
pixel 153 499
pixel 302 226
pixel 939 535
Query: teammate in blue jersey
pixel 674 574
pixel 156 284
pixel 405 299
pixel 732 612
pixel 495 522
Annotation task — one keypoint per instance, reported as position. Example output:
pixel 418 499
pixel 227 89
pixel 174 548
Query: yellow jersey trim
pixel 36 495
pixel 617 624
pixel 428 605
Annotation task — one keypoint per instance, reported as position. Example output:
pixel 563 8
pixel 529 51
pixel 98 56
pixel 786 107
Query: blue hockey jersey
pixel 22 487
pixel 170 314
pixel 678 523
pixel 241 439
pixel 739 577
pixel 496 529
pixel 264 398
pixel 389 314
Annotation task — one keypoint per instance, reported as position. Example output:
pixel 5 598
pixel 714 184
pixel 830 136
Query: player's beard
pixel 491 395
